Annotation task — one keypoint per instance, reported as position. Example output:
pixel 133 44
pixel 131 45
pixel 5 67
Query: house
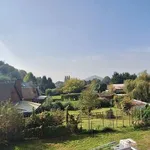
pixel 137 104
pixel 31 93
pixel 118 88
pixel 12 90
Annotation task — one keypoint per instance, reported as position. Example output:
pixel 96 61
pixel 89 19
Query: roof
pixel 5 90
pixel 27 106
pixel 29 93
pixel 138 103
pixel 118 86
pixel 42 97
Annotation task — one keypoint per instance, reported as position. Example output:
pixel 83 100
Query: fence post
pixel 91 125
pixel 123 118
pixel 88 120
pixel 103 118
pixel 129 119
pixel 81 118
pixel 116 119
pixel 113 124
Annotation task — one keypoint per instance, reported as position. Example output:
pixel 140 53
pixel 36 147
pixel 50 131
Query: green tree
pixel 50 84
pixel 126 104
pixel 139 88
pixel 22 73
pixel 15 75
pixel 88 100
pixel 98 86
pixel 46 84
pixel 73 86
pixel 106 80
pixel 119 78
pixel 11 124
pixel 29 77
pixel 39 80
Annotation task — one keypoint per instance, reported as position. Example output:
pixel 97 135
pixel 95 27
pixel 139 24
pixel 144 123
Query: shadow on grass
pixel 41 144
pixel 45 144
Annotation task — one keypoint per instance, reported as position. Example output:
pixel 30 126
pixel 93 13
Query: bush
pixel 45 119
pixel 52 92
pixel 143 117
pixel 47 132
pixel 70 106
pixel 11 123
pixel 104 103
pixel 107 129
pixel 49 104
pixel 110 114
pixel 126 104
pixel 71 96
pixel 56 131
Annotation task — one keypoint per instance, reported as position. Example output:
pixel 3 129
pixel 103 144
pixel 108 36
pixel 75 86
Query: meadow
pixel 87 142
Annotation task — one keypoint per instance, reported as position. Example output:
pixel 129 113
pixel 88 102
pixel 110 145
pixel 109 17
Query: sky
pixel 79 38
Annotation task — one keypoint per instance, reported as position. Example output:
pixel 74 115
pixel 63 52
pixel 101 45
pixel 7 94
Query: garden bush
pixel 107 130
pixel 44 119
pixel 104 103
pixel 71 96
pixel 11 123
pixel 47 132
pixel 110 114
pixel 142 117
pixel 70 106
pixel 49 104
pixel 56 131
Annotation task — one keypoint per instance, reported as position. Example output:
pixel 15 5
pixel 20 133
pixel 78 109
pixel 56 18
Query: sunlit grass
pixel 86 142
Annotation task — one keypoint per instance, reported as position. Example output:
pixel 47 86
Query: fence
pixel 98 120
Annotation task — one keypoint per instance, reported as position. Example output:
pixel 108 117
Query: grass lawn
pixel 57 97
pixel 98 123
pixel 86 142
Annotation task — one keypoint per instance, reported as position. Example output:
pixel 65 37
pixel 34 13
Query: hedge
pixel 70 96
pixel 47 132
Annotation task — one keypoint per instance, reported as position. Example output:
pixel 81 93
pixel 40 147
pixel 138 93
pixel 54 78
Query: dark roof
pixel 5 90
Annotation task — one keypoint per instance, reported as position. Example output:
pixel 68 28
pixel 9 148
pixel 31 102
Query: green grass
pixel 98 123
pixel 86 142
pixel 57 97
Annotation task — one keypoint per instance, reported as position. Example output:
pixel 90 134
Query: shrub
pixel 55 131
pixel 143 116
pixel 110 114
pixel 104 103
pixel 60 105
pixel 45 119
pixel 49 104
pixel 107 129
pixel 126 104
pixel 70 106
pixel 117 101
pixel 73 123
pixel 71 96
pixel 52 92
pixel 47 132
pixel 11 123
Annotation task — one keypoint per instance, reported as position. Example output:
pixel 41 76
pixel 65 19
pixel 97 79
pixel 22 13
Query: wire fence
pixel 98 120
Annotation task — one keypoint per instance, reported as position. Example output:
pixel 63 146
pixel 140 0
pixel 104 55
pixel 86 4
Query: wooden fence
pixel 98 120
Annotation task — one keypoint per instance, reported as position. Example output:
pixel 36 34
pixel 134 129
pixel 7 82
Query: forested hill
pixel 8 72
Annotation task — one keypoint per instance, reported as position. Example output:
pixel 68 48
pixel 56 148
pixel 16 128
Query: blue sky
pixel 75 37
